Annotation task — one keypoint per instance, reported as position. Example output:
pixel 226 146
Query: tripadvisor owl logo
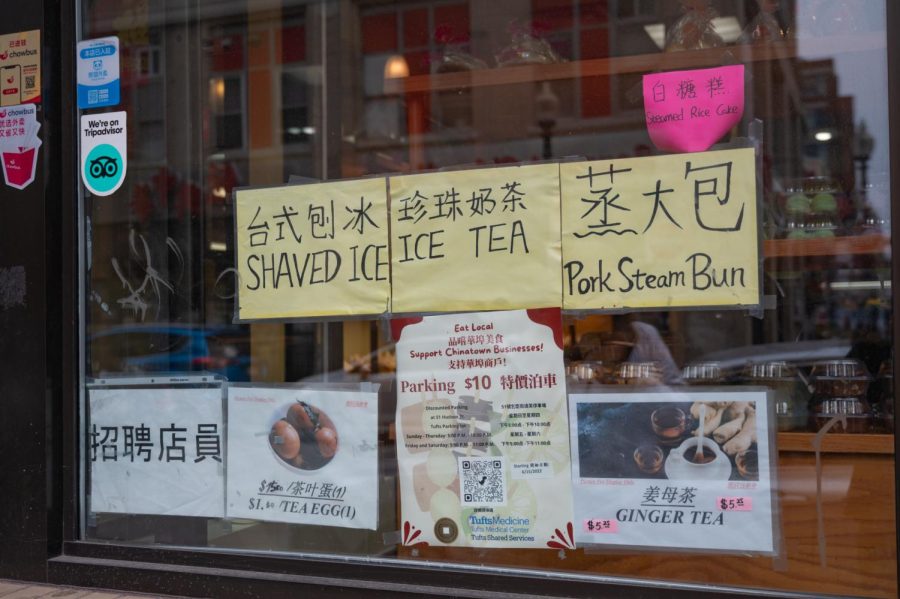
pixel 103 168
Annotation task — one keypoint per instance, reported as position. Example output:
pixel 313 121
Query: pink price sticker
pixel 734 504
pixel 596 525
pixel 689 111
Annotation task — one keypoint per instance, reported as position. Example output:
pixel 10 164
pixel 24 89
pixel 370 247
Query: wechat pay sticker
pixel 103 152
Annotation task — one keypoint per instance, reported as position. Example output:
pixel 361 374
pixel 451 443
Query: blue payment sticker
pixel 98 72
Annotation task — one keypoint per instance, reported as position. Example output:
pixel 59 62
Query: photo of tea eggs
pixel 305 437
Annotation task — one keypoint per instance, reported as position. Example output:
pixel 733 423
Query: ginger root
pixel 711 407
pixel 714 414
pixel 746 437
pixel 733 420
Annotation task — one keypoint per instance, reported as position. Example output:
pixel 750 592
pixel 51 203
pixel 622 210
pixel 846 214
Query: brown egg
pixel 285 440
pixel 324 420
pixel 326 439
pixel 299 418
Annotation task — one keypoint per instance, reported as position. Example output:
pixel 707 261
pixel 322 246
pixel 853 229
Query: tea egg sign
pixel 104 152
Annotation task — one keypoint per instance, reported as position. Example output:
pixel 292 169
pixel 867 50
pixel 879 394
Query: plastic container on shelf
pixel 790 391
pixel 526 48
pixel 639 373
pixel 694 30
pixel 881 396
pixel 454 61
pixel 856 410
pixel 703 373
pixel 840 378
pixel 587 372
pixel 873 206
pixel 764 27
pixel 812 208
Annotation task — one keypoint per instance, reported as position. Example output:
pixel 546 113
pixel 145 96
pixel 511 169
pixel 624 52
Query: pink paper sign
pixel 598 525
pixel 734 504
pixel 689 111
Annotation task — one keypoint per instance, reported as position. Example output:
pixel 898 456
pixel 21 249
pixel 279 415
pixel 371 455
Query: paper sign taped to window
pixel 313 250
pixel 303 456
pixel 689 111
pixel 642 477
pixel 661 232
pixel 157 451
pixel 485 239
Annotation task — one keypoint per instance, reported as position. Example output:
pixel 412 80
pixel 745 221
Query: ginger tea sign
pixel 658 232
pixel 689 471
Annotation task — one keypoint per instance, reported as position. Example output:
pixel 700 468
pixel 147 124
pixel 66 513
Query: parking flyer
pixel 482 430
pixel 675 470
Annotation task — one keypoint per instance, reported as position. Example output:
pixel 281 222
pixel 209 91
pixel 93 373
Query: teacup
pixel 669 423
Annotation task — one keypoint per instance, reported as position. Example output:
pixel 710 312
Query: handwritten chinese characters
pixel 484 239
pixel 688 111
pixel 665 231
pixel 313 250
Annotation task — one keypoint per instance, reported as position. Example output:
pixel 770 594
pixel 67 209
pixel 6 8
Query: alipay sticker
pixel 98 72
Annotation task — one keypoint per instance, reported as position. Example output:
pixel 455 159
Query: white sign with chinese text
pixel 482 430
pixel 156 451
pixel 642 477
pixel 303 456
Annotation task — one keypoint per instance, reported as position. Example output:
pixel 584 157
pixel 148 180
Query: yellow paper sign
pixel 485 239
pixel 313 250
pixel 664 231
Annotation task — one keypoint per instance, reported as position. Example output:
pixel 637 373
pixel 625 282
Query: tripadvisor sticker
pixel 103 152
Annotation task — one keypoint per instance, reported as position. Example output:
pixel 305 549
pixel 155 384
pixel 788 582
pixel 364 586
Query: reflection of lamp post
pixel 863 144
pixel 396 67
pixel 546 109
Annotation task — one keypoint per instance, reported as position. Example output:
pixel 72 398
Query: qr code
pixel 483 480
pixel 29 81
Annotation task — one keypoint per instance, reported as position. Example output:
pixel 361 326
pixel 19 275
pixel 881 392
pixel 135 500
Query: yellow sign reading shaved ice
pixel 313 250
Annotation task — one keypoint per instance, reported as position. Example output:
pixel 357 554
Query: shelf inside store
pixel 878 444
pixel 827 246
pixel 639 63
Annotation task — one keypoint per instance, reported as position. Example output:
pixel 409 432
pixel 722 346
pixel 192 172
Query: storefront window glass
pixel 222 96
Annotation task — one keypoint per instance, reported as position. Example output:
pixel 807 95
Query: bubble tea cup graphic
pixel 20 165
pixel 103 169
